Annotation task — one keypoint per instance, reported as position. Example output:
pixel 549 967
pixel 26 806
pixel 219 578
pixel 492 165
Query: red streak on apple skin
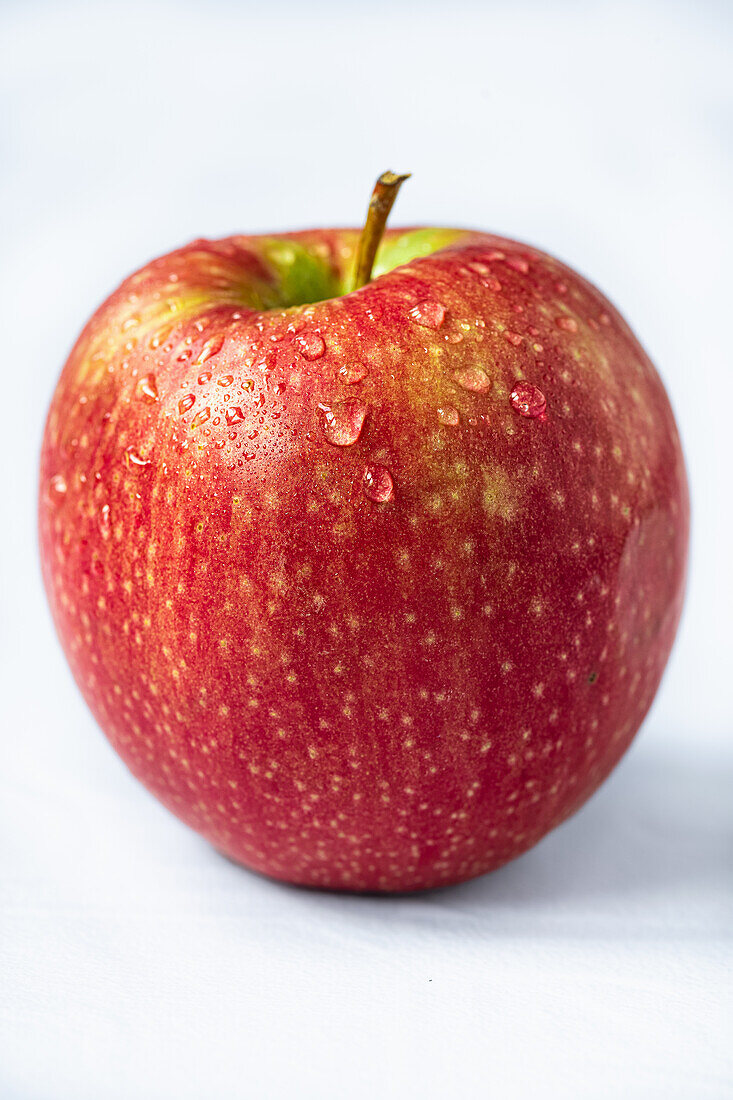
pixel 339 691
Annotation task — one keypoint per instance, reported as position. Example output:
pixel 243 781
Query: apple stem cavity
pixel 380 204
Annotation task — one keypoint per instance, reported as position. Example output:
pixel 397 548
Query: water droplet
pixel 342 423
pixel 212 346
pixel 567 324
pixel 204 377
pixel 454 337
pixel 473 379
pixel 447 414
pixel 148 388
pixel 311 344
pixel 104 521
pixel 234 415
pixel 225 380
pixel 57 489
pixel 133 456
pixel 518 264
pixel 604 319
pixel 378 484
pixel 561 288
pixel 186 403
pixel 352 373
pixel 513 338
pixel 201 417
pixel 429 313
pixel 528 400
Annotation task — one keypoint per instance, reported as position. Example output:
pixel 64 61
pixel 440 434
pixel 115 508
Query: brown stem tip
pixel 380 204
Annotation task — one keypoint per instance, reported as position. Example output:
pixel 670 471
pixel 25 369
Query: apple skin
pixel 372 592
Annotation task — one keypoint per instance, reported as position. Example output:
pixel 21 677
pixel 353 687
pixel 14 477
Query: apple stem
pixel 380 204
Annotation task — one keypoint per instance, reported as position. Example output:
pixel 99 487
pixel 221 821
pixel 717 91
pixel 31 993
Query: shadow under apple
pixel 656 826
pixel 651 854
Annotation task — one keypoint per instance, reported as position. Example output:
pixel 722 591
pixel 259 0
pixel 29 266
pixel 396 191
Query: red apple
pixel 371 588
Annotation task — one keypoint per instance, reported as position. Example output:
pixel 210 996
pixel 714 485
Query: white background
pixel 135 962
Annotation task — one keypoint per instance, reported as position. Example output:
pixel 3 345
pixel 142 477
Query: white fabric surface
pixel 134 961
